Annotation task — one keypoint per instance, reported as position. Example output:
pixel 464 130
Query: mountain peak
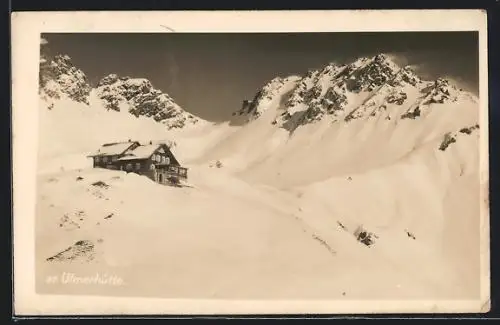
pixel 58 77
pixel 64 58
pixel 405 75
pixel 365 88
pixel 140 98
pixel 380 57
pixel 108 80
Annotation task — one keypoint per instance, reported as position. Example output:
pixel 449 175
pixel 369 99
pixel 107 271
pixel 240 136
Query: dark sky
pixel 210 74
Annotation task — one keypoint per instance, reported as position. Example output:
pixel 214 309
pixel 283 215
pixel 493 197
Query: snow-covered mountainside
pixel 367 87
pixel 348 118
pixel 270 95
pixel 355 181
pixel 224 238
pixel 335 89
pixel 75 118
pixel 71 130
pixel 137 96
pixel 60 79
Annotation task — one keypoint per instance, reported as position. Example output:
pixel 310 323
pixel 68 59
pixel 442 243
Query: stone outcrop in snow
pixel 140 98
pixel 82 250
pixel 438 92
pixel 452 137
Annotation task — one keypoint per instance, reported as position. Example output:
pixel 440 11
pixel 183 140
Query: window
pixel 163 160
pixel 96 159
pixel 114 158
pixel 167 160
pixel 128 167
pixel 158 158
pixel 138 166
pixel 104 159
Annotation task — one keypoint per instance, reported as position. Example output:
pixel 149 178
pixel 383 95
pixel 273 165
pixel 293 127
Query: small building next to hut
pixel 155 161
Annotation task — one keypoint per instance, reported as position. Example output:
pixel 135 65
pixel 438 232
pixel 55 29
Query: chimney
pixel 150 142
pixel 129 140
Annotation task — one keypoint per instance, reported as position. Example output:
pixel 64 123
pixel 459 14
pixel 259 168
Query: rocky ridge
pixel 369 87
pixel 59 78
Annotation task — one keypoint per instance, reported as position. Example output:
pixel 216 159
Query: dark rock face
pixel 252 105
pixel 412 114
pixel 333 100
pixel 59 76
pixel 312 93
pixel 405 75
pixel 440 92
pixel 312 113
pixel 246 107
pixel 373 75
pixel 277 89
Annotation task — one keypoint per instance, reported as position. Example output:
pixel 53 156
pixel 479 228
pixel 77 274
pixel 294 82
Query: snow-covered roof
pixel 141 152
pixel 110 149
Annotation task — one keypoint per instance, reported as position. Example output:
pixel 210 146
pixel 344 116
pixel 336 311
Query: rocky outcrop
pixel 58 77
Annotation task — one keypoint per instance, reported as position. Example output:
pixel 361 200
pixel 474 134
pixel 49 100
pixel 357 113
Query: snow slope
pixel 385 116
pixel 366 146
pixel 75 118
pixel 69 131
pixel 172 242
pixel 70 128
pixel 259 138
